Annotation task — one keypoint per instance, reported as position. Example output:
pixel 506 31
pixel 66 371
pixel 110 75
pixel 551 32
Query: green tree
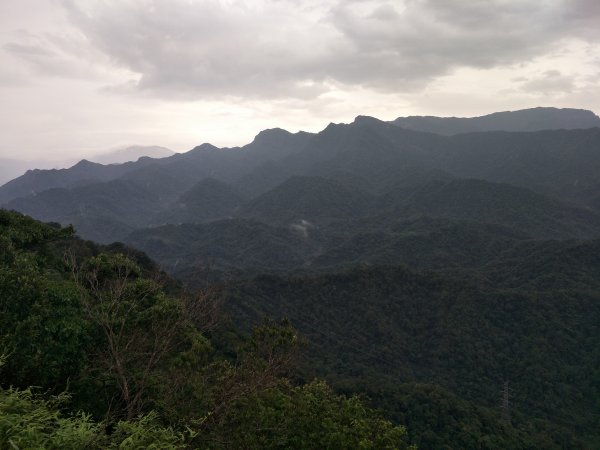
pixel 42 328
pixel 141 327
pixel 306 417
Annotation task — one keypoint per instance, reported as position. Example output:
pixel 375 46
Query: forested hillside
pixel 388 330
pixel 445 286
pixel 100 350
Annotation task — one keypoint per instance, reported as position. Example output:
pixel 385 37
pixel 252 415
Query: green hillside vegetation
pixel 209 199
pixel 422 242
pixel 99 210
pixel 377 328
pixel 97 354
pixel 500 204
pixel 317 224
pixel 313 199
pixel 225 245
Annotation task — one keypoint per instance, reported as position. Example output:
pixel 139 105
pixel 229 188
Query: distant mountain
pixel 436 224
pixel 223 245
pixel 367 148
pixel 500 204
pixel 313 200
pixel 335 175
pixel 82 173
pixel 564 163
pixel 132 153
pixel 11 168
pixel 534 119
pixel 209 199
pixel 104 212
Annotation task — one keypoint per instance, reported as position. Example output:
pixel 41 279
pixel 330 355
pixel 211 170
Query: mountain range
pixel 12 168
pixel 533 119
pixel 427 261
pixel 343 173
pixel 53 169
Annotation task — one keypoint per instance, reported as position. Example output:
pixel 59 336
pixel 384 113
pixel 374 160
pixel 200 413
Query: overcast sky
pixel 80 76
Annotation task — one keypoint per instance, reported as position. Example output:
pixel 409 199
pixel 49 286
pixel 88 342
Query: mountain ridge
pixel 379 156
pixel 532 119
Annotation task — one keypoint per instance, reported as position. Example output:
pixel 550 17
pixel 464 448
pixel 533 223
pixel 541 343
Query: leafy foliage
pixel 29 421
pixel 139 364
pixel 381 326
pixel 307 417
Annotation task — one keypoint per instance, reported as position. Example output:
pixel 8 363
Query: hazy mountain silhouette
pixel 500 204
pixel 313 199
pixel 209 199
pixel 283 178
pixel 13 168
pixel 131 153
pixel 534 119
pixel 84 172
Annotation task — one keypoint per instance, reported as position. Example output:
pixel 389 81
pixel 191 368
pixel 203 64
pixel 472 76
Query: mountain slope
pixel 201 162
pixel 313 199
pixel 82 173
pixel 501 204
pixel 533 119
pixel 366 148
pixel 384 326
pixel 422 243
pixel 104 212
pixel 209 199
pixel 226 245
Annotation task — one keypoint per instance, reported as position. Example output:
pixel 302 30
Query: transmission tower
pixel 505 403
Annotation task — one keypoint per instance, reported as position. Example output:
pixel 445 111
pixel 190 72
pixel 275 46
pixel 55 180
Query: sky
pixel 81 76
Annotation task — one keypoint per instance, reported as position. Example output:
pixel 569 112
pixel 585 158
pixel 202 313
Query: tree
pixel 141 326
pixel 42 328
pixel 306 417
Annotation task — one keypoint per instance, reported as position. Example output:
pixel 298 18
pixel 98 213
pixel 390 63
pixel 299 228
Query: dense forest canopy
pixel 97 353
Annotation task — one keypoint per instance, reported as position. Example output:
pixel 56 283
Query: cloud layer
pixel 300 49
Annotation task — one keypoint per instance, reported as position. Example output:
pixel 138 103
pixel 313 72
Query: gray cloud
pixel 186 49
pixel 28 51
pixel 549 82
pixel 180 72
pixel 67 55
